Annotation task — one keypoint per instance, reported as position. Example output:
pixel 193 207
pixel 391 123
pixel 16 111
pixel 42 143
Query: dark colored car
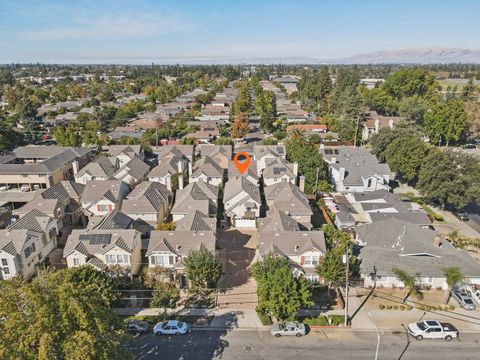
pixel 461 214
pixel 136 327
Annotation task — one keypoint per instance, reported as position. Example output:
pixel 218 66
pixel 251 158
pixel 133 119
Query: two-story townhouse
pixel 125 153
pixel 290 200
pixel 101 169
pixel 102 197
pixel 26 243
pixel 242 202
pixel 206 170
pixel 263 152
pixel 148 204
pixel 196 196
pixel 222 154
pixel 278 170
pixel 105 249
pixel 133 172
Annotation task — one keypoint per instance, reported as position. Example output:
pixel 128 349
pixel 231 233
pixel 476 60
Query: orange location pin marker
pixel 241 161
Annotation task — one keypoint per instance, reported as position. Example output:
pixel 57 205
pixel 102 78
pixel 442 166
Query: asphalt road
pixel 253 345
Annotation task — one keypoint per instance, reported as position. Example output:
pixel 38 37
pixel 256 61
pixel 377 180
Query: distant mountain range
pixel 404 56
pixel 414 56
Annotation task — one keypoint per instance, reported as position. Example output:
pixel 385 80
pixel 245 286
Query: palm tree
pixel 408 282
pixel 453 275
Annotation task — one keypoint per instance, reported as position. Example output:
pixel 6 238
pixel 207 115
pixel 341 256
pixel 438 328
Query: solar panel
pixel 96 239
pixel 278 171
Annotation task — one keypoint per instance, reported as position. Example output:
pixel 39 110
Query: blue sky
pixel 145 30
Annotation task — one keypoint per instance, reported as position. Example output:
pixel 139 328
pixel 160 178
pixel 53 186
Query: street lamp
pixel 345 261
pixel 378 334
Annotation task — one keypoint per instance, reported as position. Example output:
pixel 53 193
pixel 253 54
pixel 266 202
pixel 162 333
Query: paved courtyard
pixel 237 249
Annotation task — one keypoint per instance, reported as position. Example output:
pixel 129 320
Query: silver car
pixel 290 328
pixel 464 300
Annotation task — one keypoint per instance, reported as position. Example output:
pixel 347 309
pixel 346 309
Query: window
pixel 24 176
pixel 163 260
pixel 6 270
pixel 311 260
pixel 29 250
pixel 102 207
pixel 76 261
pixel 369 183
pixel 311 277
pixel 4 262
pixel 116 259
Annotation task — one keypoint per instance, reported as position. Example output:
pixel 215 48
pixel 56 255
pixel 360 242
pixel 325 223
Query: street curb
pixel 340 330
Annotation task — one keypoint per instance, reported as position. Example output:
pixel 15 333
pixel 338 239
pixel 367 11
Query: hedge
pixel 265 319
pixel 336 319
pixel 320 320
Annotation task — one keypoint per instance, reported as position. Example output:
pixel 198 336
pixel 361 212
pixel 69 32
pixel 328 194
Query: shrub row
pixel 395 307
pixel 323 320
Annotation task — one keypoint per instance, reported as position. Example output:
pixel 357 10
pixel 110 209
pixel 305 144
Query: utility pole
pixel 356 131
pixel 346 287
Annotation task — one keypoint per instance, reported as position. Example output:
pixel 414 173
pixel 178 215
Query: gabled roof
pixel 292 243
pixel 287 197
pixel 97 189
pixel 99 241
pixel 277 168
pixel 136 168
pixel 166 151
pixel 208 167
pixel 237 185
pixel 102 167
pixel 35 220
pixel 130 150
pixel 181 242
pixel 64 191
pixel 277 221
pixel 114 220
pixel 216 150
pixel 167 166
pixel 260 151
pixel 196 221
pixel 13 240
pixel 146 197
pixel 195 196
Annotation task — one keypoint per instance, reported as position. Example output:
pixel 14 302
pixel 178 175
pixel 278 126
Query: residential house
pixel 250 174
pixel 114 220
pixel 208 171
pixel 263 152
pixel 364 208
pixel 39 167
pixel 279 170
pixel 148 204
pixel 290 200
pixel 26 243
pixel 355 169
pixel 172 160
pixel 242 202
pixel 196 196
pixel 102 197
pixel 101 169
pixel 133 172
pixel 169 249
pixel 222 154
pixel 168 151
pixel 104 249
pixel 125 153
pixel 394 243
pixel 280 235
pixel 374 122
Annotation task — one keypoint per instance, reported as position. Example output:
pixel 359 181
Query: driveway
pixel 236 251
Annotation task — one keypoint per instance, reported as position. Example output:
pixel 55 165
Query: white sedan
pixel 171 327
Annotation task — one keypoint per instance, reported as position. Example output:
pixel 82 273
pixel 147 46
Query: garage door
pixel 245 223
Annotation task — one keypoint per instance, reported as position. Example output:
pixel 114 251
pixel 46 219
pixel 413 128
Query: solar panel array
pixel 331 151
pixel 96 239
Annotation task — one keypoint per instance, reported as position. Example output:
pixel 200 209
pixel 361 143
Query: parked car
pixel 473 292
pixel 461 214
pixel 171 327
pixel 3 188
pixel 291 328
pixel 136 327
pixel 432 329
pixel 24 188
pixel 463 300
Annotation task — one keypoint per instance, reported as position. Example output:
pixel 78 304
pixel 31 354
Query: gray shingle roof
pixel 209 167
pixel 288 197
pixel 236 185
pixel 147 197
pixel 102 167
pixel 114 220
pixel 64 191
pixel 394 243
pixel 35 220
pixel 291 243
pixel 136 169
pixel 277 221
pixel 196 221
pixel 97 189
pixel 181 242
pixel 196 196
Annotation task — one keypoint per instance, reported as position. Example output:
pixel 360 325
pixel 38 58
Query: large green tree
pixel 165 295
pixel 61 315
pixel 280 293
pixel 445 122
pixel 442 180
pixel 405 156
pixel 202 269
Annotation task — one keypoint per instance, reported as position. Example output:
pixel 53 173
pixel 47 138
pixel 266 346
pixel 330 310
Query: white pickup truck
pixel 432 329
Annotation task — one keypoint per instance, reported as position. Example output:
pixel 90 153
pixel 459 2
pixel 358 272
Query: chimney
pixel 341 174
pixel 190 168
pixel 180 182
pixel 169 183
pixel 301 184
pixel 437 242
pixel 333 160
pixel 180 166
pixel 75 167
pixel 295 168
